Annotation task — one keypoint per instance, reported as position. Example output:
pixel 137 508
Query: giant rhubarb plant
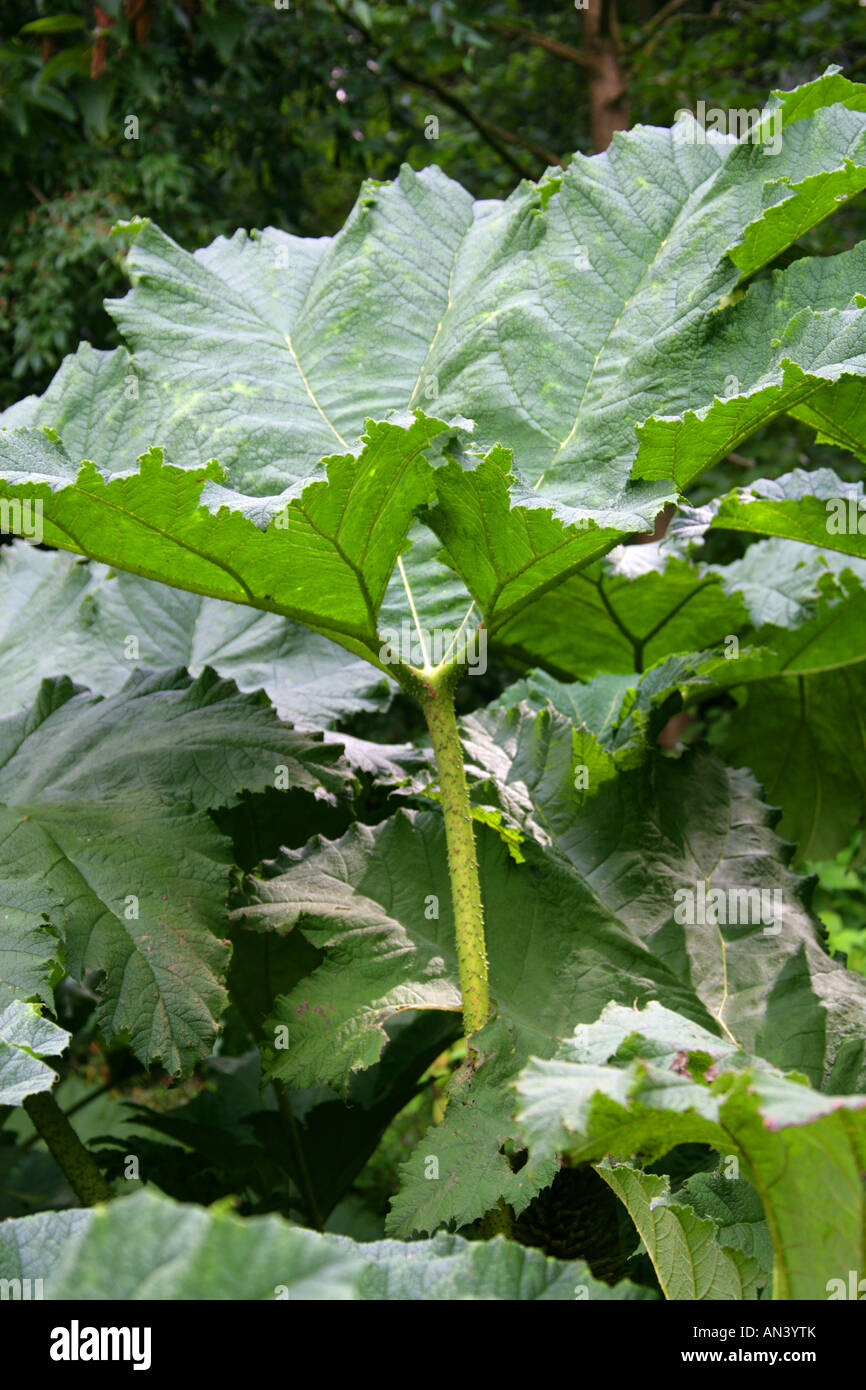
pixel 428 438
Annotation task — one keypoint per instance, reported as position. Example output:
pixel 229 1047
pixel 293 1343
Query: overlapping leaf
pixel 648 839
pixel 689 1261
pixel 25 1038
pixel 642 603
pixel 815 507
pixel 639 1082
pixel 448 1267
pixel 103 625
pixel 577 324
pixel 148 1247
pixel 323 558
pixel 104 835
pixel 735 1208
pixel 788 622
pixel 803 737
pixel 378 903
pixel 379 898
pixel 638 842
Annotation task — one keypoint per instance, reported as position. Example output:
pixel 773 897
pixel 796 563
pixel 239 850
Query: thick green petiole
pixel 435 691
pixel 66 1148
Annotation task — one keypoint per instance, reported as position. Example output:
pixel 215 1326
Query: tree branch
pixel 562 50
pixel 662 17
pixel 644 47
pixel 497 137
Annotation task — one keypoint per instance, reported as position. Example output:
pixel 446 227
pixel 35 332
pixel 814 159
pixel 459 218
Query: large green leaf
pixel 803 737
pixel 688 1259
pixel 378 903
pixel 819 627
pixel 379 898
pixel 735 1208
pixel 103 625
pixel 650 842
pixel 779 349
pixel 795 669
pixel 642 603
pixel 105 835
pixel 641 1082
pixel 816 507
pixel 182 526
pixel 628 611
pixel 148 1247
pixel 448 1267
pixel 590 325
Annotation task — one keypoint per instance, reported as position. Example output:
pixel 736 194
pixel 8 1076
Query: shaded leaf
pixel 640 1082
pixel 93 614
pixel 655 844
pixel 135 885
pixel 688 1259
pixel 377 902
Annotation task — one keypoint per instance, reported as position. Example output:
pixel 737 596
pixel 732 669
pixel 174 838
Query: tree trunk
pixel 608 100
